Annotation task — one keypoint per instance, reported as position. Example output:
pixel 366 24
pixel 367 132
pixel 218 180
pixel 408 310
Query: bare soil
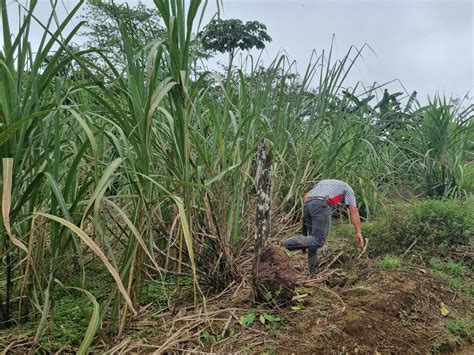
pixel 384 311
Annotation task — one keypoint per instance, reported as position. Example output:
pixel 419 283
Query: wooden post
pixel 263 185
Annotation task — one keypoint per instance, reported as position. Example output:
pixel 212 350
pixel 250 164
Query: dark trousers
pixel 317 220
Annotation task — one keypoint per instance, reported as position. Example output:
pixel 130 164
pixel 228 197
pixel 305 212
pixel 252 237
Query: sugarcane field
pixel 236 176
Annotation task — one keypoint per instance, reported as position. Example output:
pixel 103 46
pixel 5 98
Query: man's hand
pixel 360 239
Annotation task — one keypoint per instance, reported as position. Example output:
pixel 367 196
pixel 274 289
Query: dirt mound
pixel 276 276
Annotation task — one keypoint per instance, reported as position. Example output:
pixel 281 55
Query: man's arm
pixel 355 219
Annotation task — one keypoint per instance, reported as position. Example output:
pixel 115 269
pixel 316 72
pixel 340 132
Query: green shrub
pixel 381 239
pixel 429 224
pixel 437 222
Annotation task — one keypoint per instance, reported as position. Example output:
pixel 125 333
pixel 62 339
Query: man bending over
pixel 319 203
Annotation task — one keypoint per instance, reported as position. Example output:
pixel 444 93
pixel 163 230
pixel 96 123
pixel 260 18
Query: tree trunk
pixel 263 184
pixel 229 67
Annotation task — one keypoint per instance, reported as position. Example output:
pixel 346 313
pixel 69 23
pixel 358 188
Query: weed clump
pixel 389 262
pixel 460 329
pixel 450 266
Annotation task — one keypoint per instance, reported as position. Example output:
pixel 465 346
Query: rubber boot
pixel 312 261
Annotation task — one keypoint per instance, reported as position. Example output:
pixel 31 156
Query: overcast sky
pixel 427 44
